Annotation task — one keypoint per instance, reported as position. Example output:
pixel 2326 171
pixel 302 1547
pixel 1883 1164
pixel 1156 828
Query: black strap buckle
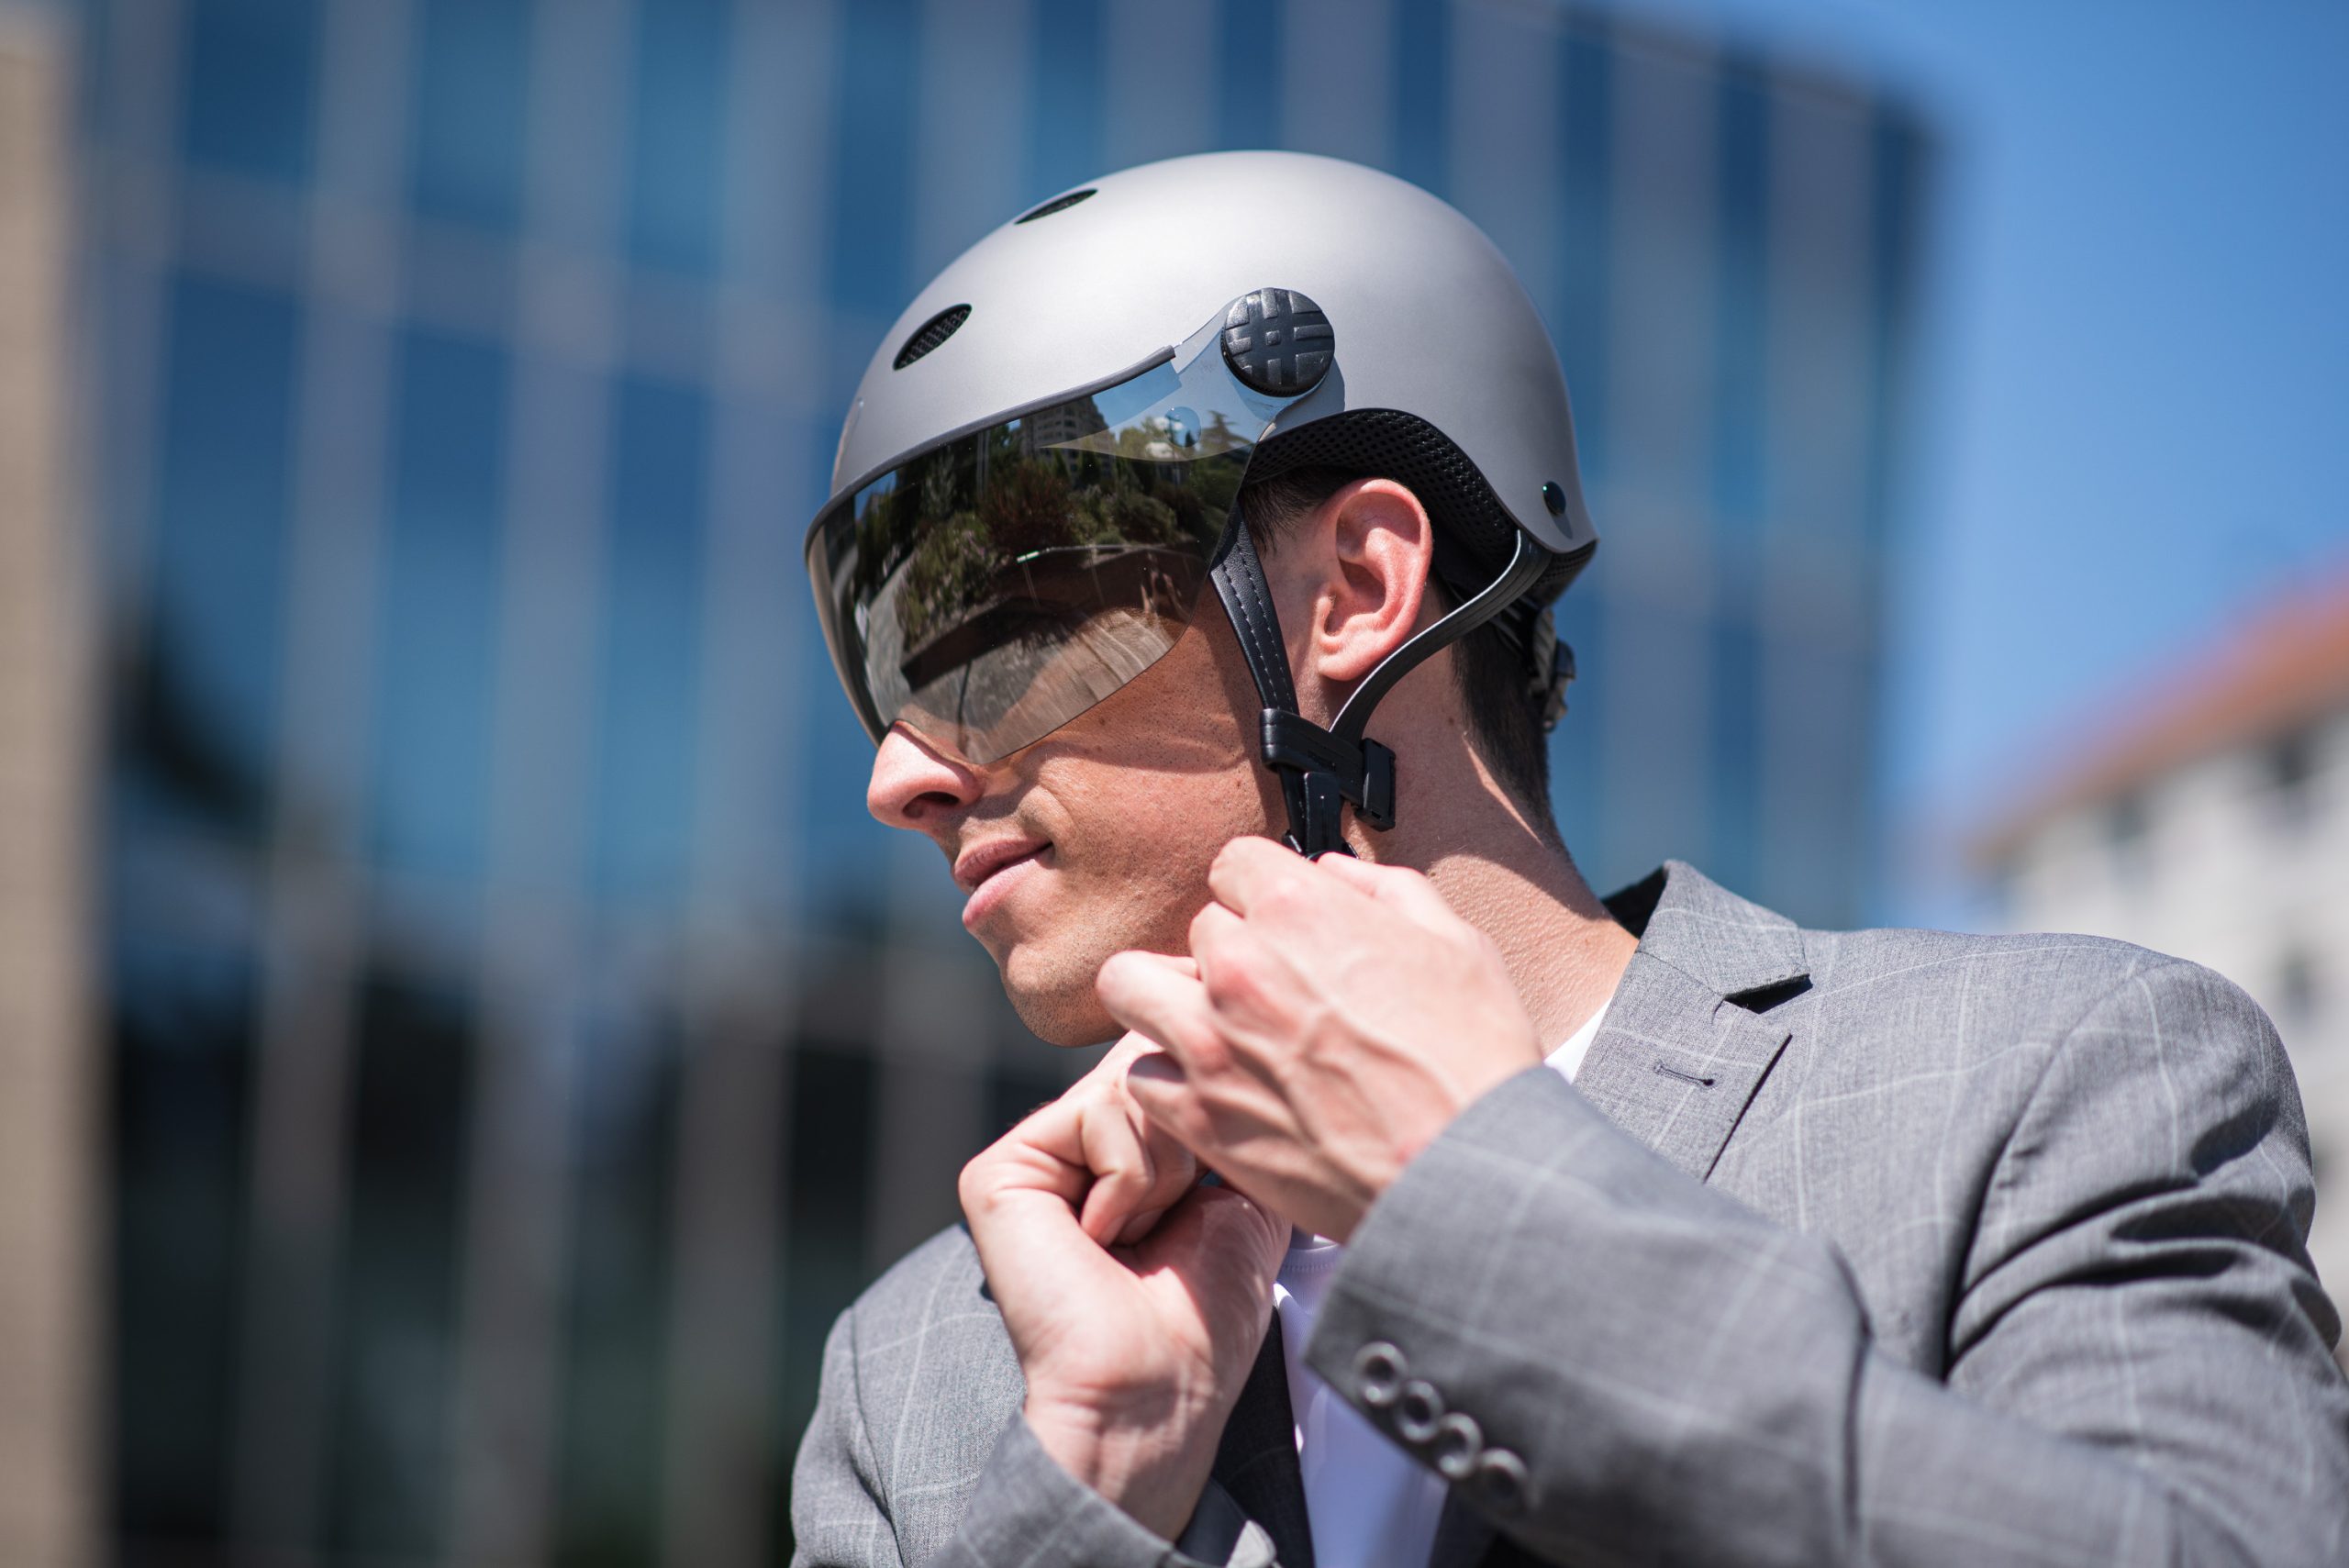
pixel 1320 770
pixel 1361 771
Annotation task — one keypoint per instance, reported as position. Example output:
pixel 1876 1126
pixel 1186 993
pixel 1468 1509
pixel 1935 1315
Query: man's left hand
pixel 1332 1017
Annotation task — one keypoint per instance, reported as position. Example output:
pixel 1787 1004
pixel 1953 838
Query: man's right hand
pixel 1136 1299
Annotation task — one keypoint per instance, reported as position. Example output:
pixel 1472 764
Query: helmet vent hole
pixel 935 331
pixel 1058 203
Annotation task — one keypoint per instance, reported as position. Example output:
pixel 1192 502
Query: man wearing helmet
pixel 1539 1228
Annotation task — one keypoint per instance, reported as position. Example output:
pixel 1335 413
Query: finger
pixel 1401 889
pixel 1246 870
pixel 1134 1230
pixel 1139 1168
pixel 1162 999
pixel 1124 1172
pixel 1044 1154
pixel 1214 930
pixel 1224 1224
pixel 1164 1093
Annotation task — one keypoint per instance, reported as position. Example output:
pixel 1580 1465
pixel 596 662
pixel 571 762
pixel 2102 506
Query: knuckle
pixel 1233 981
pixel 1177 1169
pixel 1287 900
pixel 1210 1055
pixel 976 1183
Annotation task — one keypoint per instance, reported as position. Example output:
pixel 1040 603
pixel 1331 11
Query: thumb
pixel 1231 1218
pixel 1223 1228
pixel 1406 892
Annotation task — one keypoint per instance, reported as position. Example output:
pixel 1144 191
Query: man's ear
pixel 1378 548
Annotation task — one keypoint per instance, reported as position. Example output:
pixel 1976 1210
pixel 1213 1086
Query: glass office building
pixel 521 1042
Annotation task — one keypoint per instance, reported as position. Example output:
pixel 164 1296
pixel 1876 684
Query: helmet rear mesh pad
pixel 1475 536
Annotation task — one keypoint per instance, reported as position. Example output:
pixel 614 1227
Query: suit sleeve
pixel 839 1518
pixel 1025 1512
pixel 1637 1368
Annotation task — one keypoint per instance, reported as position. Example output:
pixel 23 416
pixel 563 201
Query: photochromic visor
pixel 991 588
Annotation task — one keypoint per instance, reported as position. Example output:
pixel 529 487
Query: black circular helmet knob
pixel 1277 341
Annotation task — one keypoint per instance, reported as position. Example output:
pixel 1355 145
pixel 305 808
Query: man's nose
pixel 916 783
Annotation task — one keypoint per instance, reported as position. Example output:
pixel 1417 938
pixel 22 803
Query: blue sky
pixel 2133 424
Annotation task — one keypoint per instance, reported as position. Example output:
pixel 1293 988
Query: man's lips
pixel 990 872
pixel 980 861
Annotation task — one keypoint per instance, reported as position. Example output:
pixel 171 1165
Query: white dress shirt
pixel 1370 1504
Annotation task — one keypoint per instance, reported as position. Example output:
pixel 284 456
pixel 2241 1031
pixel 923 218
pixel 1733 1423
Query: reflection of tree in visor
pixel 989 590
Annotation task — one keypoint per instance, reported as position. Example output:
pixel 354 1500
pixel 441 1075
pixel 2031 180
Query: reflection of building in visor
pixel 988 590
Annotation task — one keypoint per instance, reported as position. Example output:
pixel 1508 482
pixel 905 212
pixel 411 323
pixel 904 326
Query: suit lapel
pixel 1688 1039
pixel 1677 1064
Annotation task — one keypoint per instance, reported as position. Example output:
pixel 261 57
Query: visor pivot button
pixel 1277 342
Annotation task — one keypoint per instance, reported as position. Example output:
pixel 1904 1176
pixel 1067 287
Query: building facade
pixel 521 1045
pixel 2210 819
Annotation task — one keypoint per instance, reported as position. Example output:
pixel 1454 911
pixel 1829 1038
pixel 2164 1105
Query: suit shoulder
pixel 942 1275
pixel 2047 981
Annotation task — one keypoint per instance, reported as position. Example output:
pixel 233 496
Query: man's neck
pixel 1520 888
pixel 1562 948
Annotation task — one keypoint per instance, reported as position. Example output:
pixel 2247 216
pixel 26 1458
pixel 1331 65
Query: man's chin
pixel 1056 1001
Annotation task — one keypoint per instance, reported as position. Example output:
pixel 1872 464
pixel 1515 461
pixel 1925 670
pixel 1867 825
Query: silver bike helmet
pixel 1039 477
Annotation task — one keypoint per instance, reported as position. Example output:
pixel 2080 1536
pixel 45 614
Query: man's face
pixel 1096 837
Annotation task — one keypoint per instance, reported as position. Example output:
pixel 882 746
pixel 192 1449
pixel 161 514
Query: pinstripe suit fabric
pixel 1879 1247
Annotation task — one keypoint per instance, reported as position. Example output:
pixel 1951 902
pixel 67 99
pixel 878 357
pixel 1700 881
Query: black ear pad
pixel 1277 342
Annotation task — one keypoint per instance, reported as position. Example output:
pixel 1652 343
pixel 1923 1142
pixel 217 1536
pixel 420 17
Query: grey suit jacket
pixel 1884 1247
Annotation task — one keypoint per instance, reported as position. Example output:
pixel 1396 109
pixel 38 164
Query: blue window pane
pixel 871 182
pixel 1587 125
pixel 1898 160
pixel 1735 782
pixel 676 169
pixel 217 563
pixel 647 709
pixel 247 81
pixel 1739 413
pixel 1250 37
pixel 394 1340
pixel 182 1026
pixel 1423 91
pixel 835 1110
pixel 609 1441
pixel 436 631
pixel 1064 129
pixel 473 61
pixel 838 835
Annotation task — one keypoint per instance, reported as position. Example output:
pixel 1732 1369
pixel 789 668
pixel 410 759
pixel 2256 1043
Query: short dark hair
pixel 1504 716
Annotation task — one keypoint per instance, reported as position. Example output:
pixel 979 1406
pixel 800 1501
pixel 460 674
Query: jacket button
pixel 1379 1369
pixel 1500 1480
pixel 1459 1442
pixel 1419 1410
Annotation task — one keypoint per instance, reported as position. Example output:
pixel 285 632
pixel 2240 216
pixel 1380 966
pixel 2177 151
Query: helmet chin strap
pixel 1320 770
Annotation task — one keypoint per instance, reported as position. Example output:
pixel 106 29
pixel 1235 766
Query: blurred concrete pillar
pixel 49 1216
